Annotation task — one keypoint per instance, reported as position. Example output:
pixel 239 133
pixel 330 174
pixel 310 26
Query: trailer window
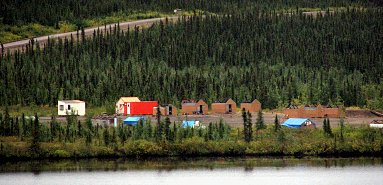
pixel 61 107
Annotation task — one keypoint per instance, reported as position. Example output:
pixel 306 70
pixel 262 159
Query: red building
pixel 143 107
pixel 134 106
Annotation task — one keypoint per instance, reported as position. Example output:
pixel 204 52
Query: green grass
pixel 46 111
pixel 13 33
pixel 361 141
pixel 10 33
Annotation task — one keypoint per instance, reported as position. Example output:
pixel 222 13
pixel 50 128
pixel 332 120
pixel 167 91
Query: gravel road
pixel 12 46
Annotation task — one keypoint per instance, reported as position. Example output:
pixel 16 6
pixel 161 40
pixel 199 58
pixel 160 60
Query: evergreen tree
pixel 221 129
pixel 329 132
pixel 35 146
pixel 106 136
pixel 341 125
pixel 167 129
pixel 159 125
pixel 245 127
pixel 325 129
pixel 175 132
pixel 79 129
pixel 113 140
pixel 88 137
pixel 209 131
pixel 260 124
pixel 277 126
pixel 250 126
pixel 24 126
pixel 89 124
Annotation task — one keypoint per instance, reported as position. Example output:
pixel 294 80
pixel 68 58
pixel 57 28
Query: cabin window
pixel 68 107
pixel 61 107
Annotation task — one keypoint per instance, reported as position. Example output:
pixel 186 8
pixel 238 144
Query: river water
pixel 169 171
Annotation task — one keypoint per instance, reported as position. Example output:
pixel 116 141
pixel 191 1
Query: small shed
pixel 166 110
pixel 68 107
pixel 133 120
pixel 224 107
pixel 253 106
pixel 123 105
pixel 192 107
pixel 298 123
pixel 192 124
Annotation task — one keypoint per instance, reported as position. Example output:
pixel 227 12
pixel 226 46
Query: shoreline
pixel 182 152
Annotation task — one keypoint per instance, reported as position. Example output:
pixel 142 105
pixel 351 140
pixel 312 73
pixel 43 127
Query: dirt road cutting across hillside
pixel 89 31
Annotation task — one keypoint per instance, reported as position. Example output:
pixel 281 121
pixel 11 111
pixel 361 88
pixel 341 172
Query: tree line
pixel 31 129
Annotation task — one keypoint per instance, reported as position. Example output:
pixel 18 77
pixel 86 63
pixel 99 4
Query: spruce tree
pixel 209 131
pixel 325 130
pixel 341 125
pixel 35 146
pixel 106 136
pixel 329 128
pixel 260 124
pixel 277 126
pixel 245 127
pixel 23 126
pixel 88 138
pixel 159 125
pixel 79 129
pixel 89 124
pixel 113 140
pixel 167 128
pixel 250 126
pixel 221 129
pixel 175 132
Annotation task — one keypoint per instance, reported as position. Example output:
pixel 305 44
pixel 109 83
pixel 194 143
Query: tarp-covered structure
pixel 298 123
pixel 190 123
pixel 133 120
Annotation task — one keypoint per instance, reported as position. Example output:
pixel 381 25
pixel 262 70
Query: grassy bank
pixel 286 142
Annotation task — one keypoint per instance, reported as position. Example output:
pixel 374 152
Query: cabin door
pixel 128 108
pixel 170 110
pixel 230 108
pixel 201 109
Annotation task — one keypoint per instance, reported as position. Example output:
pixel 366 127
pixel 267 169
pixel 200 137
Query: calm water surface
pixel 236 171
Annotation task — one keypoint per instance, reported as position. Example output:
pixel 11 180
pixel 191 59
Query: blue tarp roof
pixel 296 122
pixel 133 120
pixel 188 124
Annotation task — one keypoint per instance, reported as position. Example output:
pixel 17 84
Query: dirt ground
pixel 353 117
pixel 356 118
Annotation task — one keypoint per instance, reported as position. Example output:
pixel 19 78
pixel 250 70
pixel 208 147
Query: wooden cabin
pixel 166 110
pixel 312 112
pixel 224 107
pixel 192 107
pixel 253 106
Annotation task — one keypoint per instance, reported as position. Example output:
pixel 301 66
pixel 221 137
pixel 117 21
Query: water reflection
pixel 169 171
pixel 169 164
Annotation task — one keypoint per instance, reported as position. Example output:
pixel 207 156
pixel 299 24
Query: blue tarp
pixel 133 120
pixel 188 124
pixel 296 122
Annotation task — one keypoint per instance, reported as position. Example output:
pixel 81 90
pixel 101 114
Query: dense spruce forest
pixel 331 59
pixel 51 12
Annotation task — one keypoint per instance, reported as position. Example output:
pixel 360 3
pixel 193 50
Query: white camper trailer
pixel 68 107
